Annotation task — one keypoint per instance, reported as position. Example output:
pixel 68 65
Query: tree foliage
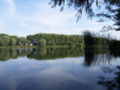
pixel 56 40
pixel 112 12
pixel 13 40
pixel 4 40
pixel 81 5
pixel 105 8
pixel 42 40
pixel 22 41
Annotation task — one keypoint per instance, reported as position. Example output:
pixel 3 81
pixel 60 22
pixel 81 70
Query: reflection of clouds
pixel 62 74
pixel 66 73
pixel 65 60
pixel 20 71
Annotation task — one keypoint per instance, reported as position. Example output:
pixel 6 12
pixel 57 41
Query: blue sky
pixel 24 17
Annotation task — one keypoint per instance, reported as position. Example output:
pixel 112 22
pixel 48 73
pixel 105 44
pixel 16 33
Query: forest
pixel 57 40
pixel 42 40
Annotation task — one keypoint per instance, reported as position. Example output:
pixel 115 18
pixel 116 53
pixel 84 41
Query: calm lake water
pixel 59 69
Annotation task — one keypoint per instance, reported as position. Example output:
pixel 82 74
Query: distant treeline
pixel 6 40
pixel 42 40
pixel 57 40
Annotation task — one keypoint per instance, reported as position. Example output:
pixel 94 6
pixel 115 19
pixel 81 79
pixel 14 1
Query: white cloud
pixel 39 17
pixel 52 20
pixel 50 17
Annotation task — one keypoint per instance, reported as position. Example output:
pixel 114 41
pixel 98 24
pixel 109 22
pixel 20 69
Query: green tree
pixel 56 39
pixel 4 40
pixel 42 43
pixel 13 40
pixel 22 41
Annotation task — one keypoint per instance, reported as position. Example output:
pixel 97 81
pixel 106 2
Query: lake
pixel 59 69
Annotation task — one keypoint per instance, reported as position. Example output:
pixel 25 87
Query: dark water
pixel 59 69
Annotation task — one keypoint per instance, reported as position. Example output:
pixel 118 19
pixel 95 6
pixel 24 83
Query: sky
pixel 25 17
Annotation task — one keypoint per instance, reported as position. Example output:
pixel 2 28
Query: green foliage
pixel 56 40
pixel 13 40
pixel 42 43
pixel 4 40
pixel 22 41
pixel 42 40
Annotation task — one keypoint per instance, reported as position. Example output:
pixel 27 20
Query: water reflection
pixel 95 56
pixel 6 53
pixel 40 53
pixel 53 53
pixel 112 80
pixel 59 69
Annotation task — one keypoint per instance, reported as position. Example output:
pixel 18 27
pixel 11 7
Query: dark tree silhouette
pixel 82 5
pixel 105 8
pixel 112 12
pixel 79 5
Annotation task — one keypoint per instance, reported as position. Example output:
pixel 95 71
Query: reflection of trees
pixel 94 51
pixel 110 83
pixel 99 50
pixel 95 56
pixel 6 53
pixel 115 50
pixel 13 53
pixel 23 51
pixel 39 53
pixel 52 53
pixel 89 55
pixel 114 46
